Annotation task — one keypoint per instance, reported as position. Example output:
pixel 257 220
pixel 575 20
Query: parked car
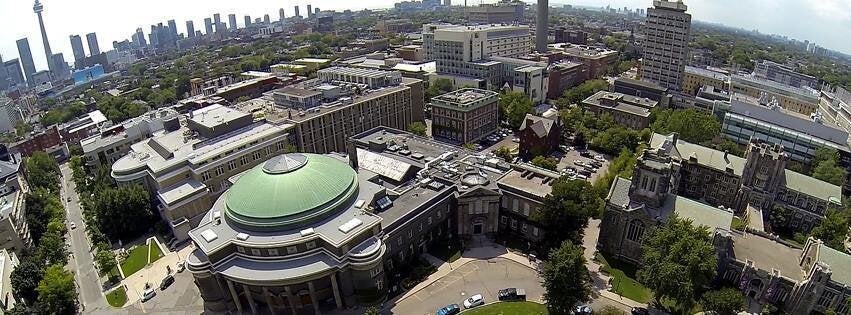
pixel 450 309
pixel 167 281
pixel 474 301
pixel 73 225
pixel 585 154
pixel 581 176
pixel 515 140
pixel 596 164
pixel 148 294
pixel 511 294
pixel 181 266
pixel 599 158
pixel 583 310
pixel 585 172
pixel 639 311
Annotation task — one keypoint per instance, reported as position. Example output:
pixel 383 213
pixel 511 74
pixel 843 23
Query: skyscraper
pixel 26 56
pixel 208 26
pixel 13 71
pixel 316 12
pixel 232 21
pixel 666 32
pixel 296 12
pixel 94 48
pixel 309 11
pixel 190 29
pixel 139 38
pixel 5 81
pixel 77 47
pixel 60 67
pixel 266 19
pixel 247 21
pixel 281 16
pixel 38 8
pixel 172 28
pixel 542 26
pixel 217 21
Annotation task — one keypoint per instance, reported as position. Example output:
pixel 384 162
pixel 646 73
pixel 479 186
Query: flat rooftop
pixel 530 179
pixel 216 115
pixel 297 92
pixel 787 90
pixel 707 73
pixel 464 98
pixel 621 102
pixel 792 121
pixel 297 115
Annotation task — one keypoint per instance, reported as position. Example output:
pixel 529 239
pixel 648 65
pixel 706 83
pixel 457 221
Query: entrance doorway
pixel 477 228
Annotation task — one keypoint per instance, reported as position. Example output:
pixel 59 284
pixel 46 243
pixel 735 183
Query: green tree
pixel 372 310
pixel 105 260
pixel 565 279
pixel 42 171
pixel 726 301
pixel 549 163
pixel 565 212
pixel 417 128
pixel 613 140
pixel 691 125
pixel 437 87
pixel 833 229
pixel 779 218
pixel 577 94
pixel 514 106
pixel 123 212
pixel 830 172
pixel 25 278
pixel 57 292
pixel 51 249
pixel 678 260
pixel 504 153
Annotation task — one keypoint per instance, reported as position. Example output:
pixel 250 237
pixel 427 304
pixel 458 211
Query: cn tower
pixel 37 8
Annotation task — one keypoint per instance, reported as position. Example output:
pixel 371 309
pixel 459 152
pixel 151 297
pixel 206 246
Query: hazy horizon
pixel 829 21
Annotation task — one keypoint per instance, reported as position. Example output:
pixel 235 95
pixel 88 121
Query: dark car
pixel 511 294
pixel 585 172
pixel 585 154
pixel 167 281
pixel 450 309
pixel 639 311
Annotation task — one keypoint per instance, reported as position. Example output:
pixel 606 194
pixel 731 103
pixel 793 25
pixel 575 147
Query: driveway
pixel 484 277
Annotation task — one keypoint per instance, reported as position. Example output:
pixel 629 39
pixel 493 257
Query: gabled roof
pixel 838 262
pixel 540 125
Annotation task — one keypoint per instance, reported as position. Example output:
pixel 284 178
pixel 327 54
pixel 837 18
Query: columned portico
pixel 313 299
pixel 250 298
pixel 336 289
pixel 269 304
pixel 234 296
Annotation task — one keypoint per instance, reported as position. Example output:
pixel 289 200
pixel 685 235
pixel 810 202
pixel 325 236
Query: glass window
pixel 292 249
pixel 310 245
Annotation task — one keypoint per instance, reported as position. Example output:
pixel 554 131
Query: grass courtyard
pixel 509 308
pixel 140 257
pixel 624 280
pixel 117 297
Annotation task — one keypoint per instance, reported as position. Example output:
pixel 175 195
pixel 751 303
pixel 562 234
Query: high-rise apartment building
pixel 504 11
pixel 208 26
pixel 247 21
pixel 172 28
pixel 296 12
pixel 92 39
pixel 666 32
pixel 77 47
pixel 139 38
pixel 190 29
pixel 232 22
pixel 217 22
pixel 13 72
pixel 266 19
pixel 281 15
pixel 26 56
pixel 309 11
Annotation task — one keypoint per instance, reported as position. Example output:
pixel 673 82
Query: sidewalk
pixel 600 281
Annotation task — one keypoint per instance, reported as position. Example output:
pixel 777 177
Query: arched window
pixel 635 230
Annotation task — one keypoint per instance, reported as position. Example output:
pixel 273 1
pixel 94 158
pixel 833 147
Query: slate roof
pixel 838 262
pixel 540 125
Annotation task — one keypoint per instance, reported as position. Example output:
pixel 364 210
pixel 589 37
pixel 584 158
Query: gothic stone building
pixel 707 186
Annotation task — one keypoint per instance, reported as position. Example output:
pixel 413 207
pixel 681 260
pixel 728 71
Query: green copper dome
pixel 290 189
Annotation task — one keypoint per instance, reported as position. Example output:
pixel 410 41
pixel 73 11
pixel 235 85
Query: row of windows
pixel 272 252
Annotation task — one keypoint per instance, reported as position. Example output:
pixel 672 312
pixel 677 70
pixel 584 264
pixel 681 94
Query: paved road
pixel 484 277
pixel 88 284
pixel 182 297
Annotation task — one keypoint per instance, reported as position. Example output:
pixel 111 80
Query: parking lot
pixel 568 160
pixel 485 277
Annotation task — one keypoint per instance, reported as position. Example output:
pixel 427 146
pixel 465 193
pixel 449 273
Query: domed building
pixel 307 233
pixel 290 233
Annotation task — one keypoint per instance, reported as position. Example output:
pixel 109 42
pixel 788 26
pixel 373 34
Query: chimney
pixel 542 26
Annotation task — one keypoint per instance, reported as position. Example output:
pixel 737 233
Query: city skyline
pixel 62 18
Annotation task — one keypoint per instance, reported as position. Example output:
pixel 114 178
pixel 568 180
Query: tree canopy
pixel 417 128
pixel 514 106
pixel 549 163
pixel 57 292
pixel 833 229
pixel 123 212
pixel 726 301
pixel 565 212
pixel 691 125
pixel 678 261
pixel 565 279
pixel 577 94
pixel 826 166
pixel 43 171
pixel 25 278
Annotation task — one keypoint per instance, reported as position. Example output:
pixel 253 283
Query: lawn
pixel 739 224
pixel 156 252
pixel 117 297
pixel 509 308
pixel 136 260
pixel 624 280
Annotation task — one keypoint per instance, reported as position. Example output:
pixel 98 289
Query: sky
pixel 826 22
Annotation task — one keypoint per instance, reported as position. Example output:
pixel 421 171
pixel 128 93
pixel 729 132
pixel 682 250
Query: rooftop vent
pixel 306 232
pixel 359 204
pixel 350 225
pixel 241 236
pixel 209 235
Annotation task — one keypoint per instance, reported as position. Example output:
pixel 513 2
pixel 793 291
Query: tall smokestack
pixel 541 23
